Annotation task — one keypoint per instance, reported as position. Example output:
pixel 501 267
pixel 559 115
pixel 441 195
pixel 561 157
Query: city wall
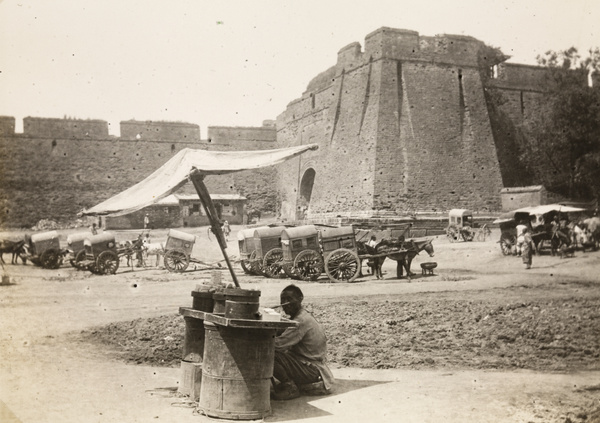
pixel 406 125
pixel 58 167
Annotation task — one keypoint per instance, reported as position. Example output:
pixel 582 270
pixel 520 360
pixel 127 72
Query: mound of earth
pixel 540 328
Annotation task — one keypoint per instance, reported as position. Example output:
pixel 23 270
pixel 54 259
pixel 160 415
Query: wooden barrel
pixel 219 303
pixel 193 340
pixel 203 301
pixel 236 372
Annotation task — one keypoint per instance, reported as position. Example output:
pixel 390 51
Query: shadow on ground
pixel 300 408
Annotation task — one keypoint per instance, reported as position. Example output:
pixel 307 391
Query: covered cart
pixel 247 249
pixel 44 250
pixel 538 219
pixel 76 248
pixel 178 250
pixel 268 255
pixel 461 227
pixel 194 164
pixel 309 250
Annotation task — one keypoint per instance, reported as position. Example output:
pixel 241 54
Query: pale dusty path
pixel 42 380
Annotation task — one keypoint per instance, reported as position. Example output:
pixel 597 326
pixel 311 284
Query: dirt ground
pixel 482 339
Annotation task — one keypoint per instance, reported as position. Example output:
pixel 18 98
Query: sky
pixel 237 62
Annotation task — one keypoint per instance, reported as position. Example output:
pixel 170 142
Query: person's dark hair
pixel 294 290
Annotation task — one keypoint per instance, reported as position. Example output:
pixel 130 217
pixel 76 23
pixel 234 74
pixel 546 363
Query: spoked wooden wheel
pixel 107 263
pixel 272 263
pixel 50 259
pixel 245 266
pixel 256 267
pixel 468 235
pixel 451 234
pixel 176 260
pixel 308 265
pixel 342 265
pixel 506 245
pixel 288 268
pixel 79 257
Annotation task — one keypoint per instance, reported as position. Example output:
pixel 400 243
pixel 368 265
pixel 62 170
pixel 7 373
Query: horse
pixel 16 248
pixel 375 262
pixel 560 237
pixel 154 249
pixel 404 259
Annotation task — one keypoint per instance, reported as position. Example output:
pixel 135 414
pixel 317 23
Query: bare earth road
pixel 46 378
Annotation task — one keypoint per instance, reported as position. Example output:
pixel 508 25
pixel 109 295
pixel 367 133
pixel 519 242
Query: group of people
pixel 563 235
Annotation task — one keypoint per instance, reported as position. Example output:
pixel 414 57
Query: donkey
pixel 405 259
pixel 16 248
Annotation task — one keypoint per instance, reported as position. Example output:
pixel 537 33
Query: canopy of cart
pixel 175 173
pixel 537 210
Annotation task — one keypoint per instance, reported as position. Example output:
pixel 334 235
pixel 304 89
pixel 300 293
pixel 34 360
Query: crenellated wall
pixel 408 124
pixel 402 126
pixel 58 167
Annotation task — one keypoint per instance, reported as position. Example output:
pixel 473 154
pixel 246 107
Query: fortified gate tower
pixel 402 127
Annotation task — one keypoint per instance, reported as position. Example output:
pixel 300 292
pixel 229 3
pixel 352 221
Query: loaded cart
pixel 247 251
pixel 75 245
pixel 103 255
pixel 268 254
pixel 45 251
pixel 178 250
pixel 308 251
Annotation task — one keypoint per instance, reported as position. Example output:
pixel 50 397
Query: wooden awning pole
pixel 213 217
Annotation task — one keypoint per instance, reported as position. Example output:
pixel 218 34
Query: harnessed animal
pixel 403 258
pixel 16 248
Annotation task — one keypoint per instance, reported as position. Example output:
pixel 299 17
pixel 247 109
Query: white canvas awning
pixel 174 174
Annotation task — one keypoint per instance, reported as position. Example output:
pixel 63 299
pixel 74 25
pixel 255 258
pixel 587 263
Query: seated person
pixel 300 352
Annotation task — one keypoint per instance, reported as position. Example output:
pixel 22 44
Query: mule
pixel 153 249
pixel 16 248
pixel 404 259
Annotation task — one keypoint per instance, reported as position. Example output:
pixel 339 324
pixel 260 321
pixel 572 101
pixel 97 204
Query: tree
pixel 563 148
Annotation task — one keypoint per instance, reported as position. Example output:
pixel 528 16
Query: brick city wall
pixel 55 171
pixel 407 126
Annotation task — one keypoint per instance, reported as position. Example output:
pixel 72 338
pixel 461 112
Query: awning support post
pixel 213 217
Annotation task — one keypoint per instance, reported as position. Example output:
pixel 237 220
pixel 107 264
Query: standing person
pixel 520 240
pixel 146 221
pixel 226 230
pixel 373 241
pixel 528 248
pixel 93 229
pixel 300 352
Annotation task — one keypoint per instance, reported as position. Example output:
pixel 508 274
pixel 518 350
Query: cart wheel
pixel 288 268
pixel 308 265
pixel 272 263
pixel 342 265
pixel 49 259
pixel 176 260
pixel 79 257
pixel 468 235
pixel 506 245
pixel 256 267
pixel 246 266
pixel 107 263
pixel 451 234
